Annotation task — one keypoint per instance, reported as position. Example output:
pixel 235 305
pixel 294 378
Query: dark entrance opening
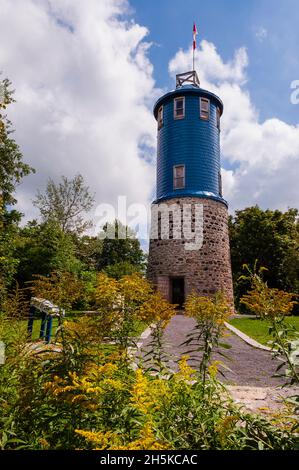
pixel 178 291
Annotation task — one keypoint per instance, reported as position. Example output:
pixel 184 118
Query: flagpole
pixel 193 47
pixel 194 44
pixel 193 59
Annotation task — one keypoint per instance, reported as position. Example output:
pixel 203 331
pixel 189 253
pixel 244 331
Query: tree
pixel 8 260
pixel 66 203
pixel 43 248
pixel 89 251
pixel 12 170
pixel 118 250
pixel 12 167
pixel 271 238
pixel 119 270
pixel 61 288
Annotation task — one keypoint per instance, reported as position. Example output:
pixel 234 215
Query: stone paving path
pixel 249 366
pixel 250 381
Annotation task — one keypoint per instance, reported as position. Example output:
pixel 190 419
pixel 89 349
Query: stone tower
pixel 189 244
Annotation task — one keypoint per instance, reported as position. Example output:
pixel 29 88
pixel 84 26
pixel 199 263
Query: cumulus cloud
pixel 260 159
pixel 84 89
pixel 211 66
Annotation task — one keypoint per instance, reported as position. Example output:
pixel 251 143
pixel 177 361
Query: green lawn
pixel 36 328
pixel 258 329
pixel 140 326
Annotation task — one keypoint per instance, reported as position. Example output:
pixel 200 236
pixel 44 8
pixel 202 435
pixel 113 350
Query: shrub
pixel 88 397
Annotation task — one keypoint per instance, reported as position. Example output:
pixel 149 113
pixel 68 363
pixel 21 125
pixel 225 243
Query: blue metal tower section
pixel 190 141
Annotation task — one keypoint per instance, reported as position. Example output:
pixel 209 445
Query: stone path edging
pixel 144 336
pixel 261 400
pixel 133 350
pixel 246 338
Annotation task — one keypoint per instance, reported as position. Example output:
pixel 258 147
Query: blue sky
pixel 87 73
pixel 230 24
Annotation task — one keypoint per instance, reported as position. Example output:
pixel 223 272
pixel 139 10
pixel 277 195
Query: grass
pixel 140 326
pixel 259 329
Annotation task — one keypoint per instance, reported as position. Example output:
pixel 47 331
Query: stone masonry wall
pixel 206 269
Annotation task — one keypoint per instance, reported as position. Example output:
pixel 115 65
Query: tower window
pixel 204 109
pixel 160 117
pixel 179 177
pixel 218 118
pixel 179 108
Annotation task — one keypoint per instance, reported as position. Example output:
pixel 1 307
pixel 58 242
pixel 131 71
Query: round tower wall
pixel 202 261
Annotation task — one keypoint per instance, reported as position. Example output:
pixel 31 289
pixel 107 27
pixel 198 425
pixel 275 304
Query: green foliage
pixel 122 250
pixel 86 396
pixel 88 251
pixel 119 270
pixel 12 170
pixel 61 288
pixel 119 302
pixel 259 329
pixel 210 315
pixel 12 167
pixel 44 248
pixel 66 203
pixel 273 305
pixel 8 259
pixel 272 238
pixel 85 393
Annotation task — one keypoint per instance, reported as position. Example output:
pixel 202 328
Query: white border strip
pixel 246 338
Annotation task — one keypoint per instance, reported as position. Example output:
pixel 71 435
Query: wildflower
pixel 140 394
pixel 102 440
pixel 157 310
pixel 107 290
pixel 225 428
pixel 213 369
pixel 135 288
pixel 185 371
pixel 146 441
pixel 44 443
pixel 208 310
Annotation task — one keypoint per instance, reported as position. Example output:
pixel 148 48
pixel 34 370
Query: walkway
pixel 249 366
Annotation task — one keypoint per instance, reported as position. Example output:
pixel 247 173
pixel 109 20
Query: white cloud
pixel 83 87
pixel 211 66
pixel 264 155
pixel 261 34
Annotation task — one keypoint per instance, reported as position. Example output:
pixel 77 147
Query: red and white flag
pixel 195 33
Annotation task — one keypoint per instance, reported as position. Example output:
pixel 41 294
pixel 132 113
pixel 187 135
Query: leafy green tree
pixel 119 270
pixel 89 250
pixel 8 260
pixel 66 203
pixel 43 249
pixel 12 167
pixel 12 170
pixel 271 238
pixel 120 246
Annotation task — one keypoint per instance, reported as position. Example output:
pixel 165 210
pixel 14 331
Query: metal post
pixel 49 329
pixel 43 326
pixel 193 61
